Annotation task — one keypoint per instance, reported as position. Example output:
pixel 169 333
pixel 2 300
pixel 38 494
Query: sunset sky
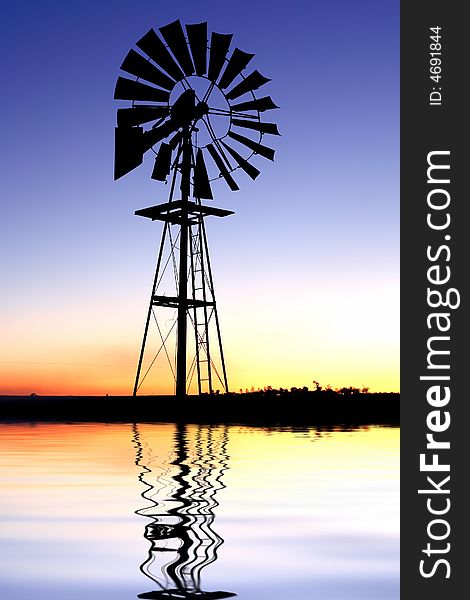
pixel 306 271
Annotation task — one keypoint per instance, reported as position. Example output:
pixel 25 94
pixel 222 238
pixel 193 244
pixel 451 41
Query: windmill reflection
pixel 182 494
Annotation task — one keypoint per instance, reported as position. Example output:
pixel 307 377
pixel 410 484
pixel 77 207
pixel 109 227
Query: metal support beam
pixel 183 268
pixel 149 313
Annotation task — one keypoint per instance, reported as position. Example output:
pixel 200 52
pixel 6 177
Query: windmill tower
pixel 196 103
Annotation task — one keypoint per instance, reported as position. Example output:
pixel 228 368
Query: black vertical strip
pixel 197 37
pixel 220 44
pixel 434 119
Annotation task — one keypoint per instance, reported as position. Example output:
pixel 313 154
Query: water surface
pixel 102 511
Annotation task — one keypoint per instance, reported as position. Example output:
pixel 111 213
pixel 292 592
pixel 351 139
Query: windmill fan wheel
pixel 187 85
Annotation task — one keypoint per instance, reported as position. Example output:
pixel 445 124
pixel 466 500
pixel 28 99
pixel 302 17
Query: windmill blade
pixel 162 165
pixel 202 186
pixel 235 66
pixel 254 81
pixel 153 46
pixel 140 114
pixel 220 44
pixel 252 145
pixel 197 36
pixel 137 65
pixel 222 168
pixel 128 89
pixel 128 152
pixel 244 164
pixel 256 126
pixel 260 104
pixel 174 37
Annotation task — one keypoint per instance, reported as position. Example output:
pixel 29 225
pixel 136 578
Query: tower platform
pixel 173 211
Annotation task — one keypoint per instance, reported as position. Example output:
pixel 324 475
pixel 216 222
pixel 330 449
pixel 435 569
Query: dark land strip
pixel 288 408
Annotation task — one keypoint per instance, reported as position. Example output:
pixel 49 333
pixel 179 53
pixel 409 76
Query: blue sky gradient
pixel 306 271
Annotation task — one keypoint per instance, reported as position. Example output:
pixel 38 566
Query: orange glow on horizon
pixel 63 380
pixel 335 339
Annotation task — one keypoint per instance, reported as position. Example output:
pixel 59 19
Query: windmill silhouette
pixel 203 122
pixel 182 502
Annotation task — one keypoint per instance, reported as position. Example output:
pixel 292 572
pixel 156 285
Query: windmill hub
pixel 212 108
pixel 185 112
